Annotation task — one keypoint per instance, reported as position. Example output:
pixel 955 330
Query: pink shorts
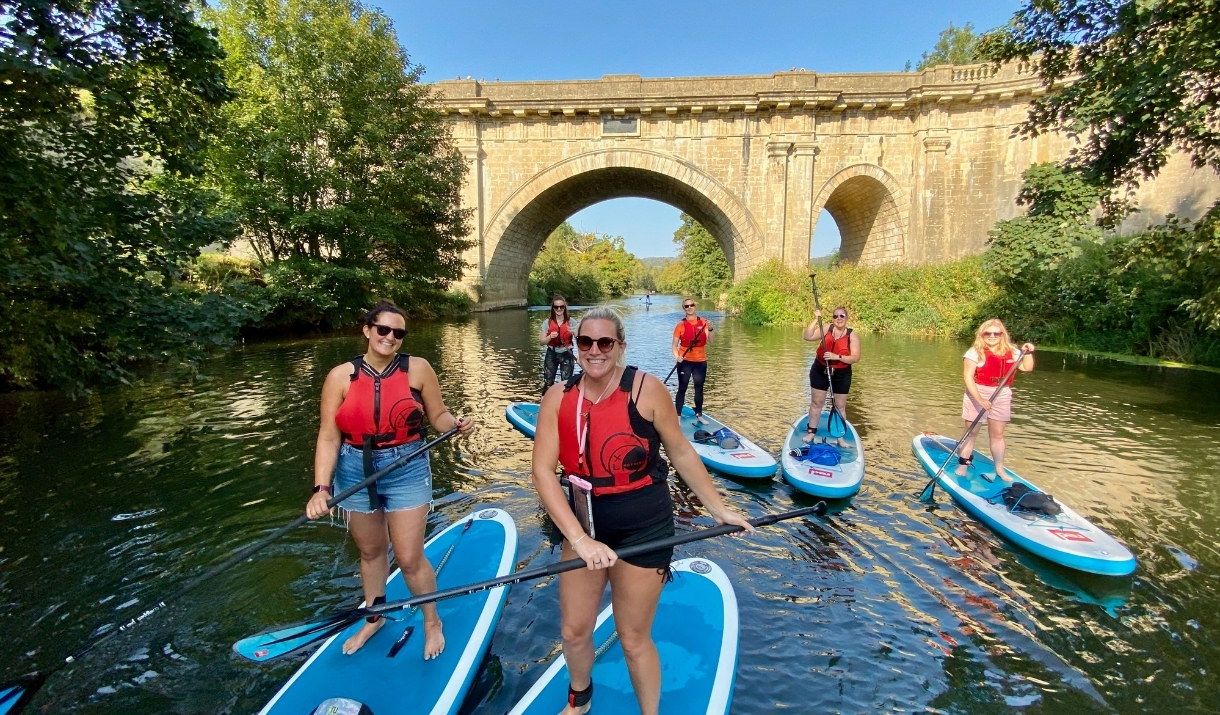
pixel 1001 407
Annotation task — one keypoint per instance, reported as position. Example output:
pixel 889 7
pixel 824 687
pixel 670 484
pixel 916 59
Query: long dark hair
pixel 566 311
pixel 383 306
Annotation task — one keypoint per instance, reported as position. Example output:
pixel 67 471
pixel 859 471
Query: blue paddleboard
pixel 695 630
pixel 523 416
pixel 406 684
pixel 744 460
pixel 825 478
pixel 1067 538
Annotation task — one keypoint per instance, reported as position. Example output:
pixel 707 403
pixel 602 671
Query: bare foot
pixel 961 470
pixel 1002 474
pixel 434 639
pixel 360 637
pixel 843 444
pixel 808 437
pixel 571 710
pixel 699 420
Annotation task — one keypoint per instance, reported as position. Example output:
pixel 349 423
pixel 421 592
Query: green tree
pixel 583 267
pixel 333 150
pixel 956 46
pixel 701 268
pixel 1134 79
pixel 103 109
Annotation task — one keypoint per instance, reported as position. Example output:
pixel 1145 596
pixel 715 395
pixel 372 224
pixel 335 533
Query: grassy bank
pixel 939 299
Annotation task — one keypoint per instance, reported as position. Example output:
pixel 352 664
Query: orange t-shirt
pixel 699 352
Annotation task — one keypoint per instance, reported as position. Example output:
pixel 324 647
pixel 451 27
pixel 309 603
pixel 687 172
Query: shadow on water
pixel 885 605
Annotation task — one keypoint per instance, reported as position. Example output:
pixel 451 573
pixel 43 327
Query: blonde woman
pixel 983 369
pixel 606 428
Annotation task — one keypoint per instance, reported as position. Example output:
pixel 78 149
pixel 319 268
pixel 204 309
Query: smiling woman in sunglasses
pixel 838 350
pixel 557 337
pixel 606 427
pixel 372 413
pixel 984 366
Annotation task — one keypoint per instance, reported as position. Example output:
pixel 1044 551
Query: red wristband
pixel 321 488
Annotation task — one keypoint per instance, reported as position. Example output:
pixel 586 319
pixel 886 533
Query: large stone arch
pixel 519 226
pixel 865 202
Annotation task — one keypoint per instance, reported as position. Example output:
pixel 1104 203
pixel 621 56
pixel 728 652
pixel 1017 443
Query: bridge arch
pixel 518 228
pixel 865 202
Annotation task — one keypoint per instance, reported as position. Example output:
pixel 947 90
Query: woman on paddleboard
pixel 838 350
pixel 556 335
pixel 983 367
pixel 691 336
pixel 606 427
pixel 372 413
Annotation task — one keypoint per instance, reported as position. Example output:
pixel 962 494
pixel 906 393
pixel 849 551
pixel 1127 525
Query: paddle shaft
pixel 817 307
pixel 688 349
pixel 246 552
pixel 573 564
pixel 931 488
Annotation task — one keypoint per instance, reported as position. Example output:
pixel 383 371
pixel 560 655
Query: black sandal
pixel 580 698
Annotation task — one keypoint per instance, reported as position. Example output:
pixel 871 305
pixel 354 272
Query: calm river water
pixel 886 606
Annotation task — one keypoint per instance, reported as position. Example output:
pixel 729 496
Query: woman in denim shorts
pixel 372 413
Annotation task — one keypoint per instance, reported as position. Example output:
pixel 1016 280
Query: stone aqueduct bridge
pixel 913 167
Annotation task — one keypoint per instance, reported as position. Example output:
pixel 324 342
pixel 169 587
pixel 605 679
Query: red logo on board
pixel 260 654
pixel 1070 535
pixel 742 455
pixel 821 472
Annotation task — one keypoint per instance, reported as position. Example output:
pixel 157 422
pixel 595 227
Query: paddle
pixel 293 638
pixel 688 349
pixel 928 491
pixel 16 694
pixel 836 426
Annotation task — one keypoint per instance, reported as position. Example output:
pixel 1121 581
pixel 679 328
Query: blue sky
pixel 548 39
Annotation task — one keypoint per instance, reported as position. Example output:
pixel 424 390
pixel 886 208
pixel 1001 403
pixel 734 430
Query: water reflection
pixel 887 605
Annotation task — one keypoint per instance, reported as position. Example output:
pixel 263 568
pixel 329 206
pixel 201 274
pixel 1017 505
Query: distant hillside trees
pixel 701 268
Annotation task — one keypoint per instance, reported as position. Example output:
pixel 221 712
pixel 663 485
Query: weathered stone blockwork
pixel 912 166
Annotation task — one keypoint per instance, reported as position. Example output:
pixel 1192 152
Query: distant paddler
pixel 838 350
pixel 691 336
pixel 984 367
pixel 556 335
pixel 373 411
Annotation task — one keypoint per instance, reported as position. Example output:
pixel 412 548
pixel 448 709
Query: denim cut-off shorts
pixel 407 487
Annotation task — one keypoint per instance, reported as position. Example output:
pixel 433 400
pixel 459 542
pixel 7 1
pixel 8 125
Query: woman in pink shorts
pixel 983 368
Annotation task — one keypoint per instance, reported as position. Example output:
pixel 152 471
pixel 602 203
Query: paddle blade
pixel 928 491
pixel 15 695
pixel 836 426
pixel 286 641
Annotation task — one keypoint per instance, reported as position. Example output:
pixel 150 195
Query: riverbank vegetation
pixel 136 134
pixel 582 267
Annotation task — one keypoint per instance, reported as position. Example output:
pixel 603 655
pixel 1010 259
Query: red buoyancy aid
pixel 689 329
pixel 994 368
pixel 622 449
pixel 382 406
pixel 829 344
pixel 565 333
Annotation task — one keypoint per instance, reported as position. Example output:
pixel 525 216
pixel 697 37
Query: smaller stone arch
pixel 872 223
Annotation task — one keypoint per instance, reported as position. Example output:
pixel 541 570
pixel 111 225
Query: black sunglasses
pixel 689 305
pixel 585 343
pixel 384 330
pixel 840 315
pixel 560 307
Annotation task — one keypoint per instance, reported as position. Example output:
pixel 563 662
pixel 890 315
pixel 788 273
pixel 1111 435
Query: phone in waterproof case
pixel 582 502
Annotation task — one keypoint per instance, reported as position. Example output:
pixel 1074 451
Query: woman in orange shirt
pixel 691 335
